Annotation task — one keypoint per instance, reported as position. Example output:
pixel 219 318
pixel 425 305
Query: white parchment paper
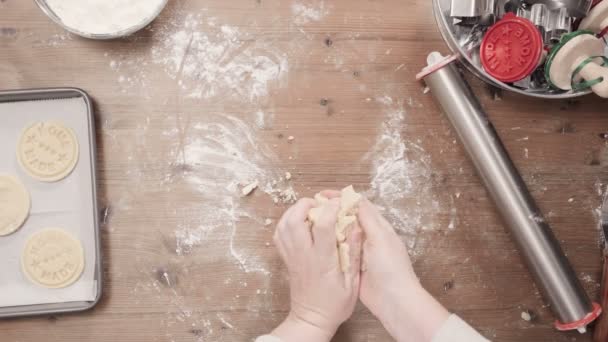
pixel 66 204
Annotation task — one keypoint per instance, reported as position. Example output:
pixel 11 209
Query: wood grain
pixel 362 49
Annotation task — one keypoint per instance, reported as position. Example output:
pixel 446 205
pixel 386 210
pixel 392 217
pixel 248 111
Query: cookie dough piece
pixel 48 151
pixel 53 258
pixel 347 217
pixel 14 204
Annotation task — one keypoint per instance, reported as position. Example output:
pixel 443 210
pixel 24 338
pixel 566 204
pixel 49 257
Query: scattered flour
pixel 263 119
pixel 216 158
pixel 211 153
pixel 401 179
pixel 306 13
pixel 205 60
pixel 209 157
pixel 602 193
pixel 589 281
pixel 58 39
pixel 206 65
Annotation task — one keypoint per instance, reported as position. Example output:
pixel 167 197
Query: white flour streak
pixel 224 148
pixel 197 161
pixel 206 60
pixel 588 280
pixel 215 159
pixel 263 120
pixel 602 192
pixel 246 262
pixel 57 40
pixel 136 78
pixel 304 14
pixel 226 323
pixel 401 178
pixel 206 65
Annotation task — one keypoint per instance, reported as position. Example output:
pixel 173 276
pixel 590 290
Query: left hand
pixel 322 296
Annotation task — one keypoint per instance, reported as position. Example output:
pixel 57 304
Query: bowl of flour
pixel 102 19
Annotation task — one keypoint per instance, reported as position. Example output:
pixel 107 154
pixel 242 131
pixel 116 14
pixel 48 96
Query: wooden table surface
pixel 206 98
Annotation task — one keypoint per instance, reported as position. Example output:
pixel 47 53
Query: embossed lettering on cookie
pixel 53 258
pixel 48 151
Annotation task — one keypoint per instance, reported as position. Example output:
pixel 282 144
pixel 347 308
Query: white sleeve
pixel 268 338
pixel 457 330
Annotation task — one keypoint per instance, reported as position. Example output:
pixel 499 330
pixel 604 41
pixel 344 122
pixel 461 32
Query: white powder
pixel 205 59
pixel 220 154
pixel 306 13
pixel 401 179
pixel 104 16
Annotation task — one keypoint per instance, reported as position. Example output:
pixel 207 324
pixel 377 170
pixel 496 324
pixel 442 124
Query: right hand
pixel 389 287
pixel 388 270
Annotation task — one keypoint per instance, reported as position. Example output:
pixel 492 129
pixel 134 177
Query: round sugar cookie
pixel 52 258
pixel 48 151
pixel 14 204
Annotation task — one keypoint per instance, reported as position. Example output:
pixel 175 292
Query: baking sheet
pixel 65 204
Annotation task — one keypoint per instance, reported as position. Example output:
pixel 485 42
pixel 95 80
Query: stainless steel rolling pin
pixel 537 244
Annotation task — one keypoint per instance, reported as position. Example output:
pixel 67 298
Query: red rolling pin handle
pixel 601 326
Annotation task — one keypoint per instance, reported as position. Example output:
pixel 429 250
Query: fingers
pixel 372 222
pixel 324 230
pixel 330 193
pixel 293 233
pixel 299 211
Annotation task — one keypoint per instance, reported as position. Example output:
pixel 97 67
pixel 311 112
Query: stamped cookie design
pixel 14 204
pixel 48 151
pixel 52 258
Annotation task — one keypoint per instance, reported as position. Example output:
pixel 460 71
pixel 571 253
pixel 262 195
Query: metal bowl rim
pixel 49 13
pixel 480 73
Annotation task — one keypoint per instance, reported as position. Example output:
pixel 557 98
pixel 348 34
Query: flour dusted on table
pixel 104 16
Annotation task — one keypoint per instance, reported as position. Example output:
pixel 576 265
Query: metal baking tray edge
pixel 65 93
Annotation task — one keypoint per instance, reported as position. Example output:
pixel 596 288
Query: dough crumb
pixel 344 252
pixel 288 175
pixel 247 190
pixel 291 138
pixel 267 222
pixel 288 196
pixel 526 316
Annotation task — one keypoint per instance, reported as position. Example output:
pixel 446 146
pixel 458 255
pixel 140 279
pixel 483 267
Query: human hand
pixel 322 296
pixel 389 287
pixel 388 268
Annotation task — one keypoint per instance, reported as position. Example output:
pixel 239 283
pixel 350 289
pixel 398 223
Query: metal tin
pixel 57 94
pixel 441 9
pixel 576 8
pixel 49 12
